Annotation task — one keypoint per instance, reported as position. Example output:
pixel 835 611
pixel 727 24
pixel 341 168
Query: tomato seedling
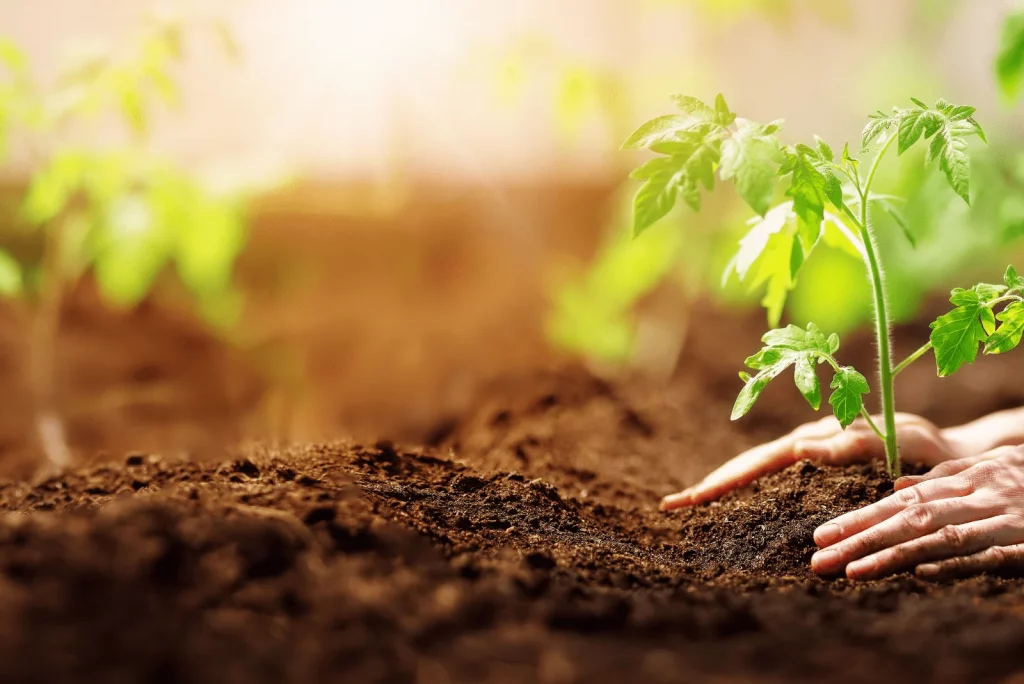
pixel 829 199
pixel 106 208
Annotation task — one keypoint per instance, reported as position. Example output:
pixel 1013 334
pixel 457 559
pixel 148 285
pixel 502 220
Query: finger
pixel 949 542
pixel 738 472
pixel 992 559
pixel 854 445
pixel 849 524
pixel 947 468
pixel 910 523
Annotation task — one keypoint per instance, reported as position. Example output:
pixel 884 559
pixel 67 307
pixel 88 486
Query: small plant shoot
pixel 809 194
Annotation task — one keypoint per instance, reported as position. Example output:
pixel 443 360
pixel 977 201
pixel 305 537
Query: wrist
pixel 1003 428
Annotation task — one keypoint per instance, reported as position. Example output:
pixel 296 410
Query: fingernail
pixel 827 534
pixel 675 500
pixel 927 570
pixel 864 566
pixel 904 482
pixel 824 562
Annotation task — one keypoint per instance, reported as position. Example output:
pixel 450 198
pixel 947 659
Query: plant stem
pixel 42 354
pixel 885 370
pixel 867 416
pixel 924 349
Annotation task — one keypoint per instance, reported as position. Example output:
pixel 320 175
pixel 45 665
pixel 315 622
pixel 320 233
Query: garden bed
pixel 521 544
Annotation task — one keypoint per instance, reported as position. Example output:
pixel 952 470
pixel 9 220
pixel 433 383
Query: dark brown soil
pixel 381 564
pixel 513 537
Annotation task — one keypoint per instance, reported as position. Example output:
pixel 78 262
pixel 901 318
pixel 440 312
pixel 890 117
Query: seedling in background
pixel 114 212
pixel 829 199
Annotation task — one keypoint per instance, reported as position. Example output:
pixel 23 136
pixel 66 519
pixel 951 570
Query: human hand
pixel 826 442
pixel 964 517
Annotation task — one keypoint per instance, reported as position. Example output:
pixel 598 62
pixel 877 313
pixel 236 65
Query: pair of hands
pixel 963 517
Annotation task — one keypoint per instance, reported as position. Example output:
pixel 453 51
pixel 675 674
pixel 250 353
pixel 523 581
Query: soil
pixel 522 545
pixel 508 533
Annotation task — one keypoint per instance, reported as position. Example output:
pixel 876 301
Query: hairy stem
pixel 867 416
pixel 925 348
pixel 885 369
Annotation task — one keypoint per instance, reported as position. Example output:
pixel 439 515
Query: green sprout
pixel 829 199
pixel 111 211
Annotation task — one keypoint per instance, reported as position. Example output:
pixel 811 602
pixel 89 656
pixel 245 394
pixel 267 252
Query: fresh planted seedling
pixel 829 199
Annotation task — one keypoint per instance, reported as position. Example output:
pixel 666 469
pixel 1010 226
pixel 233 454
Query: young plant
pixel 829 199
pixel 112 211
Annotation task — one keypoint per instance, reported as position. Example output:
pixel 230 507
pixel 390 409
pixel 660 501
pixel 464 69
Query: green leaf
pixel 1009 64
pixel 807 381
pixel 947 126
pixel 950 148
pixel 878 124
pixel 694 107
pixel 134 248
pixel 812 184
pixel 914 123
pixel 784 347
pixel 1012 280
pixel 751 158
pixel 749 394
pixel 897 216
pixel 833 343
pixel 1008 334
pixel 654 200
pixel 823 149
pixel 723 115
pixel 11 280
pixel 660 128
pixel 956 335
pixel 848 390
pixel 768 257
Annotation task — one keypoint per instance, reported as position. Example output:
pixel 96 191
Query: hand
pixel 964 517
pixel 824 441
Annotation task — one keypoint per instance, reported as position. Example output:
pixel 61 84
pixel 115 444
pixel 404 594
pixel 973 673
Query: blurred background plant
pixel 103 205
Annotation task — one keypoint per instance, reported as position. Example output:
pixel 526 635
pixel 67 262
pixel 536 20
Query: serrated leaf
pixel 833 343
pixel 766 258
pixel 956 335
pixel 723 115
pixel 913 124
pixel 1012 280
pixel 694 107
pixel 749 394
pixel 812 185
pixel 824 151
pixel 659 128
pixel 750 158
pixel 1009 333
pixel 950 148
pixel 653 167
pixel 806 379
pixel 1009 64
pixel 877 125
pixel 784 347
pixel 654 200
pixel 988 321
pixel 848 390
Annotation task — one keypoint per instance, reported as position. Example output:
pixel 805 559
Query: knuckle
pixel 995 556
pixel 918 517
pixel 916 432
pixel 952 536
pixel 908 496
